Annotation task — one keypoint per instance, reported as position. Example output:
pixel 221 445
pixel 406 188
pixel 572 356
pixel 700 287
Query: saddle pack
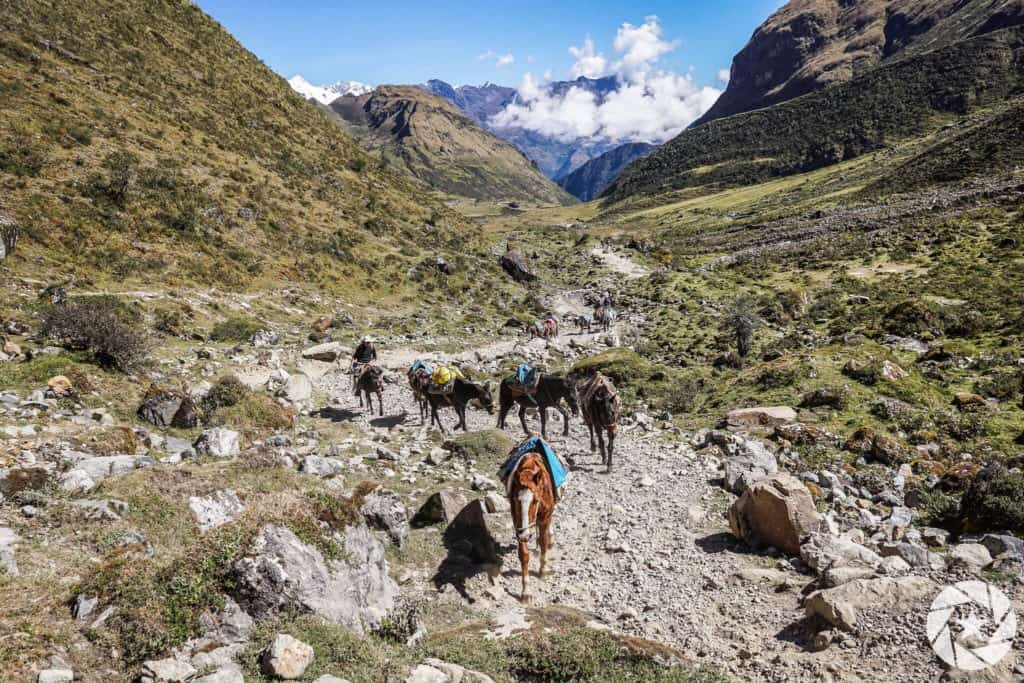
pixel 535 444
pixel 442 380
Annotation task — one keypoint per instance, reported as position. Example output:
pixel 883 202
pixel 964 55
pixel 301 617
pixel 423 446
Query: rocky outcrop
pixel 841 606
pixel 383 509
pixel 216 509
pixel 777 512
pixel 516 266
pixel 762 417
pixel 282 573
pixel 286 657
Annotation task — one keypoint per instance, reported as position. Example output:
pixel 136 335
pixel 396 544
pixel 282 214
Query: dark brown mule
pixel 419 381
pixel 600 405
pixel 369 382
pixel 463 393
pixel 531 495
pixel 551 389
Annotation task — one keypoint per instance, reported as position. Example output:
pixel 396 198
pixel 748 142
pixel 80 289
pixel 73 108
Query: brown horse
pixel 600 406
pixel 371 381
pixel 419 382
pixel 531 495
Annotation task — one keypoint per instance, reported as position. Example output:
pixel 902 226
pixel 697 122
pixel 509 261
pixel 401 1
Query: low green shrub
pixel 236 329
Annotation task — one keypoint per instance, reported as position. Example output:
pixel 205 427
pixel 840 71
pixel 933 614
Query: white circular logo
pixel 971 625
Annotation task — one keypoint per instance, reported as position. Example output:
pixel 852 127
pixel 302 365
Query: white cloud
pixel 723 75
pixel 588 62
pixel 485 55
pixel 649 104
pixel 505 60
pixel 547 75
pixel 640 47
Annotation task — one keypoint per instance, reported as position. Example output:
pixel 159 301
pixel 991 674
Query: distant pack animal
pixel 419 382
pixel 549 392
pixel 600 406
pixel 545 329
pixel 604 317
pixel 531 495
pixel 583 322
pixel 371 381
pixel 463 394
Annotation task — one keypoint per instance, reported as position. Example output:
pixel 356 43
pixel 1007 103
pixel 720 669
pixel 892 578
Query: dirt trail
pixel 617 263
pixel 645 548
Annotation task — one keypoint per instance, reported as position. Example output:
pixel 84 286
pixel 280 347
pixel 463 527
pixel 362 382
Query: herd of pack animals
pixel 529 486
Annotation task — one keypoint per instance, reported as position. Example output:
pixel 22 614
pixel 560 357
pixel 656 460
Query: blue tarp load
pixel 422 366
pixel 536 444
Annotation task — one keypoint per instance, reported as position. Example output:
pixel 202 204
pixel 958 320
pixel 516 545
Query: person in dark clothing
pixel 364 354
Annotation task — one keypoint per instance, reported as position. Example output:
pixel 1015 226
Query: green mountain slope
pixel 810 44
pixel 437 143
pixel 904 99
pixel 140 142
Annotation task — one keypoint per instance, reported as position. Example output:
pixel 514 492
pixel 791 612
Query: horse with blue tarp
pixel 536 444
pixel 532 475
pixel 420 373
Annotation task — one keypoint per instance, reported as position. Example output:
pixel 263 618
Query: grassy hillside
pixel 139 142
pixel 901 100
pixel 430 138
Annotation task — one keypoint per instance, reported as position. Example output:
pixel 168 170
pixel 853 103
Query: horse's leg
pixel 600 441
pixel 524 565
pixel 544 421
pixel 460 409
pixel 590 428
pixel 380 401
pixel 522 417
pixel 565 419
pixel 503 413
pixel 611 445
pixel 544 539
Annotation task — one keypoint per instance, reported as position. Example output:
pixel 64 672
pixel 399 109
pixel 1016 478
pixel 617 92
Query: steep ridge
pixel 590 179
pixel 810 44
pixel 902 99
pixel 141 141
pixel 435 142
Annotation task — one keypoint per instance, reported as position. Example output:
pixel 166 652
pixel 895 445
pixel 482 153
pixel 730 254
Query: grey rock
pixel 218 442
pixel 841 606
pixel 495 502
pixel 89 472
pixel 971 556
pixel 263 338
pixel 1003 546
pixel 915 556
pixel 328 353
pixel 472 529
pixel 282 573
pixel 752 462
pixel 166 671
pixel 935 537
pixel 320 467
pixel 330 679
pixel 230 673
pixel 215 510
pixel 287 657
pixel 101 510
pixel 823 551
pixel 84 607
pixel 298 388
pixel 56 676
pixel 442 506
pixel 384 509
pixel 229 626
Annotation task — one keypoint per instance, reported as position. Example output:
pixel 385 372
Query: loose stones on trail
pixel 763 417
pixel 215 510
pixel 841 606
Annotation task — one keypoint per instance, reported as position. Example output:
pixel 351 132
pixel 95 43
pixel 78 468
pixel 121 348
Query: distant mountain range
pixel 556 158
pixel 325 94
pixel 436 143
pixel 590 180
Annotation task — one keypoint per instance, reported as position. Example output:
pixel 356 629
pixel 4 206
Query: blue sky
pixel 404 41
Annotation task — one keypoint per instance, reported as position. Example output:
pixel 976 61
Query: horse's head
pixel 526 493
pixel 485 398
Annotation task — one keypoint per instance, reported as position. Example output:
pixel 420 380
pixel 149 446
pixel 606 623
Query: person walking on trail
pixel 365 354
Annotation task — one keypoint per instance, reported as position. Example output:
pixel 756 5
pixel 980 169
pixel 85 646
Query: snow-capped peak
pixel 325 94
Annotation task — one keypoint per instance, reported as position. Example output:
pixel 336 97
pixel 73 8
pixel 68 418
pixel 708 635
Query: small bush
pixel 910 318
pixel 255 415
pixel 486 446
pixel 992 501
pixel 1003 386
pixel 100 327
pixel 936 508
pixel 226 392
pixel 236 328
pixel 170 320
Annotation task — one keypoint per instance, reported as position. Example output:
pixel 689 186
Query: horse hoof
pixel 526 598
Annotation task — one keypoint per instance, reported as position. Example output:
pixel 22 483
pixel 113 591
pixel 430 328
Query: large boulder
pixel 752 462
pixel 971 556
pixel 474 530
pixel 219 442
pixel 168 670
pixel 319 466
pixel 777 512
pixel 287 657
pixel 761 417
pixel 164 407
pixel 442 506
pixel 841 606
pixel 823 551
pixel 327 353
pixel 282 574
pixel 384 509
pixel 297 388
pixel 515 264
pixel 89 472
